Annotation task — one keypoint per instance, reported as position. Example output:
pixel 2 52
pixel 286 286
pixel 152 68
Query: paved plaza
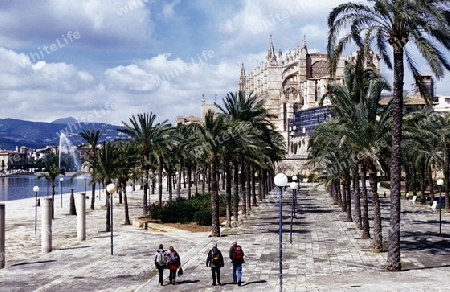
pixel 326 252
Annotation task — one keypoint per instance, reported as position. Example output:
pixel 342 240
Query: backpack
pixel 173 258
pixel 161 259
pixel 215 257
pixel 238 254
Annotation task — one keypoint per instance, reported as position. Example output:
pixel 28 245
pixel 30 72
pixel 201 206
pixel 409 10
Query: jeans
pixel 237 272
pixel 161 273
pixel 215 275
pixel 172 276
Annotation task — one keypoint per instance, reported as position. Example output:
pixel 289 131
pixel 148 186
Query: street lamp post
pixel 440 183
pixel 293 186
pixel 280 181
pixel 60 185
pixel 111 189
pixel 85 184
pixel 295 192
pixel 35 190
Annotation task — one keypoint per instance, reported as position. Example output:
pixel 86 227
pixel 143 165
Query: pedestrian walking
pixel 161 262
pixel 215 261
pixel 173 263
pixel 237 258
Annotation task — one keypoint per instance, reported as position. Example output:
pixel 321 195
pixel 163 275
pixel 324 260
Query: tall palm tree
pixel 105 170
pixel 92 138
pixel 250 112
pixel 425 24
pixel 210 135
pixel 149 136
pixel 128 158
pixel 51 175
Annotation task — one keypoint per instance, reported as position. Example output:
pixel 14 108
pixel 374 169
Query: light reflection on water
pixel 21 186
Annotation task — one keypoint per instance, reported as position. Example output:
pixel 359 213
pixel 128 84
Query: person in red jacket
pixel 173 263
pixel 237 258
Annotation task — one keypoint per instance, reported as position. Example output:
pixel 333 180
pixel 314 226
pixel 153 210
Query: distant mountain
pixel 68 120
pixel 36 135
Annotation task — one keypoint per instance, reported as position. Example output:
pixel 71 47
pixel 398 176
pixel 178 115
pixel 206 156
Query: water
pixel 66 146
pixel 21 186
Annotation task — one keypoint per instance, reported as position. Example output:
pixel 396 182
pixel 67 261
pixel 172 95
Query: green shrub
pixel 156 211
pixel 182 210
pixel 203 218
pixel 178 210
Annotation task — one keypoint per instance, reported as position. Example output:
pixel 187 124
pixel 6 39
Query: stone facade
pixel 292 82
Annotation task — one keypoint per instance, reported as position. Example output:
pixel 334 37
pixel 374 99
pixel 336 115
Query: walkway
pixel 326 253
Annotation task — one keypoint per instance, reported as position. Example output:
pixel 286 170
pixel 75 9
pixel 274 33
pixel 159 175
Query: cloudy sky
pixel 105 60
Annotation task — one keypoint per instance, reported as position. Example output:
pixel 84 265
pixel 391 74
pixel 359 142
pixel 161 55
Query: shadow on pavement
pixel 31 263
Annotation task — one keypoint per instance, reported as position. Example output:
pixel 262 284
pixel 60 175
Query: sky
pixel 107 60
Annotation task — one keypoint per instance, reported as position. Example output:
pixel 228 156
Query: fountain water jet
pixel 66 146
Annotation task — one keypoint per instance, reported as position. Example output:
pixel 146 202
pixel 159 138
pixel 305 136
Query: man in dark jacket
pixel 160 262
pixel 237 258
pixel 215 261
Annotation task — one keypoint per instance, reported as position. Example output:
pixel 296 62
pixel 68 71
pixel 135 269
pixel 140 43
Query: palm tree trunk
pixel 348 200
pixel 180 173
pixel 377 244
pixel 393 260
pixel 144 196
pixel 169 185
pixel 344 195
pixel 365 221
pixel 260 184
pixel 189 175
pixel 255 201
pixel 215 202
pixel 422 182
pixel 204 179
pixel 125 205
pixel 228 193
pixel 248 185
pixel 236 192
pixel 93 196
pixel 160 180
pixel 120 194
pixel 357 191
pixel 431 183
pixel 243 192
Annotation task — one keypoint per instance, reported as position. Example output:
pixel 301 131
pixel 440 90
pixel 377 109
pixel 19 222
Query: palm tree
pixel 149 136
pixel 128 159
pixel 210 135
pixel 50 176
pixel 105 168
pixel 425 24
pixel 92 138
pixel 251 113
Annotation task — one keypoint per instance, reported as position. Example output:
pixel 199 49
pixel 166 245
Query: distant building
pixel 13 160
pixel 204 108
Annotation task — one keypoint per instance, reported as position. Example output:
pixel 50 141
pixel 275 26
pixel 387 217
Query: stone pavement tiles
pixel 326 253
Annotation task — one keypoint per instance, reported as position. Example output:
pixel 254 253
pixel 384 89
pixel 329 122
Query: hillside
pixel 15 132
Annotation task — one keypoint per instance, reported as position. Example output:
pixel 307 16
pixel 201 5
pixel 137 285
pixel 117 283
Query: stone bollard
pixel 46 225
pixel 2 236
pixel 81 217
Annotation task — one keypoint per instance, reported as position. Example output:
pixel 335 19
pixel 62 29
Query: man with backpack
pixel 215 261
pixel 237 258
pixel 161 262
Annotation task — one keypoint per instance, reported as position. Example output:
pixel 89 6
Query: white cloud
pixel 99 22
pixel 126 61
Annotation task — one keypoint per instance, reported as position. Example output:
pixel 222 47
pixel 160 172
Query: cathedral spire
pixel 242 78
pixel 303 48
pixel 271 51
